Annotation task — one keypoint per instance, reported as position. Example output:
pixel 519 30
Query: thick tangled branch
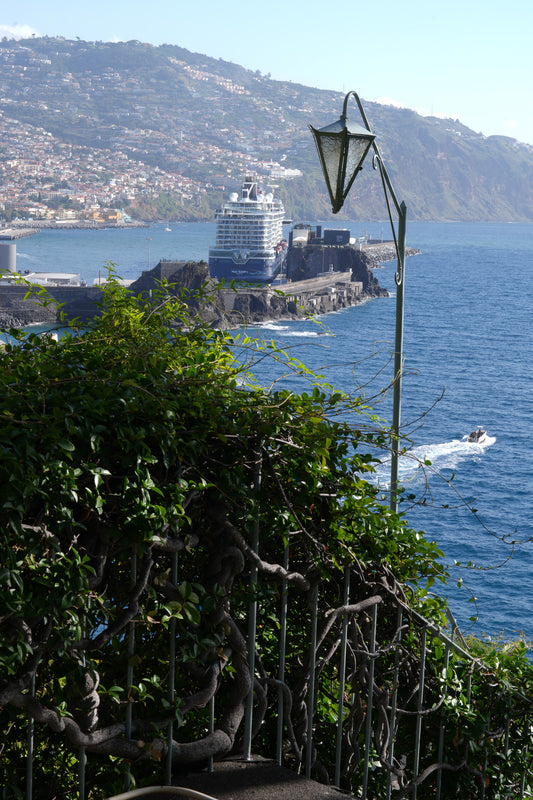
pixel 130 563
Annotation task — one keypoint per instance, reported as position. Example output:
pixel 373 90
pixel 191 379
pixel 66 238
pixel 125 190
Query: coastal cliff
pixel 313 259
pixel 309 290
pixel 349 280
pixel 230 307
pixel 17 310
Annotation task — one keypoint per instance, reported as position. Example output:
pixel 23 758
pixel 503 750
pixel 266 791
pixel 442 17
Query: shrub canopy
pixel 134 440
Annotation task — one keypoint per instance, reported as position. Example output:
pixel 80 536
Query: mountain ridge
pixel 193 125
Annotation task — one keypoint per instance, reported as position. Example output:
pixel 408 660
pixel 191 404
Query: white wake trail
pixel 442 456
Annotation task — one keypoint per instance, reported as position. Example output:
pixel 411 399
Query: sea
pixel 468 348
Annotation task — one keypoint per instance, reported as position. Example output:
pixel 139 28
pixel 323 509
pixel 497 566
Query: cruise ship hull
pixel 255 269
pixel 249 246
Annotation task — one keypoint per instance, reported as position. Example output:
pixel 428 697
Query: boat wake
pixel 27 257
pixel 286 331
pixel 443 457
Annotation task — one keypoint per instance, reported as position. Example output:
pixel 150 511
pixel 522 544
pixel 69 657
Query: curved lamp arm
pixel 335 175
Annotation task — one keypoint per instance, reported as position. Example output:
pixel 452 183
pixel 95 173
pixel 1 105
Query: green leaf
pixel 67 445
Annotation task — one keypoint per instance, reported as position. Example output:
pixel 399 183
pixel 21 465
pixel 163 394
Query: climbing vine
pixel 140 466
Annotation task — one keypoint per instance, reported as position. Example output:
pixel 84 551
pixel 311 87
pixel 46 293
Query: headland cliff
pixel 347 280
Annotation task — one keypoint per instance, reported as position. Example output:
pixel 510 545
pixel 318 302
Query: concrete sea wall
pixel 349 280
pixel 19 311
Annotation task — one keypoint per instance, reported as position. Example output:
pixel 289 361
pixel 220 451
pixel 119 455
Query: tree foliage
pixel 139 461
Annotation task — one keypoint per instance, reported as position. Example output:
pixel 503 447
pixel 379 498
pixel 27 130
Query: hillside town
pixel 43 178
pixel 103 131
pixel 46 178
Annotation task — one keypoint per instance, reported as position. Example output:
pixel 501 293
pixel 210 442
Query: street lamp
pixel 342 147
pixel 148 240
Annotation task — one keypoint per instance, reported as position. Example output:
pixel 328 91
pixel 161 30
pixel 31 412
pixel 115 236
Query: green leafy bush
pixel 139 463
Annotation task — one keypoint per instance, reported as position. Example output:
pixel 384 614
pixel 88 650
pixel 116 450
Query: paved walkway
pixel 258 779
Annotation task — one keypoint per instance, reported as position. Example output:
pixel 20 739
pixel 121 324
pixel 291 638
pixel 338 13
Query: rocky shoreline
pixel 350 281
pixel 227 308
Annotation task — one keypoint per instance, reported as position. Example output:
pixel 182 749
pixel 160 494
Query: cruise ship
pixel 249 244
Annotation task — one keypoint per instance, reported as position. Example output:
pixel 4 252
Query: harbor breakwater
pixel 18 308
pixel 75 225
pixel 349 280
pixel 232 306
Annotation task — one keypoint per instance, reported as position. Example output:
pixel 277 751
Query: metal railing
pixel 407 722
pixel 369 696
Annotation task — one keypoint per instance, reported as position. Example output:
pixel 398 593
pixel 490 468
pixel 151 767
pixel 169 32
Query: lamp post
pixel 148 240
pixel 342 147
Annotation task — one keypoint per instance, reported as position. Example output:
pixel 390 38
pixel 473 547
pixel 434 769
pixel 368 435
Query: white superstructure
pixel 249 242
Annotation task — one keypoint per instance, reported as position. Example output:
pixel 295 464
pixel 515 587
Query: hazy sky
pixel 465 59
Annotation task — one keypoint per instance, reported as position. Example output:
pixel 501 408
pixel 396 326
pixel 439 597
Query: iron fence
pixel 366 694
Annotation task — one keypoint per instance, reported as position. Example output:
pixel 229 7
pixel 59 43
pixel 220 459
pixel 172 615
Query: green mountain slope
pixel 206 122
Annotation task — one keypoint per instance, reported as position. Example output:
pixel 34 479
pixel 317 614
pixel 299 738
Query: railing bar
pixel 210 760
pixel 312 676
pixel 370 699
pixel 252 628
pixel 506 747
pixel 342 680
pixel 29 757
pixel 82 757
pixel 418 730
pixel 486 755
pixel 486 761
pixel 131 653
pixel 526 772
pixel 252 635
pixel 442 726
pixel 436 631
pixel 282 657
pixel 172 672
pixel 394 698
pixel 526 749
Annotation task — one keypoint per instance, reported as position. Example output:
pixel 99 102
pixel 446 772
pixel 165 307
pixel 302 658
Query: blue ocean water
pixel 130 250
pixel 468 352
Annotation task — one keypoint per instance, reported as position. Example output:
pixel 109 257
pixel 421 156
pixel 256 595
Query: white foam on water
pixel 27 257
pixel 273 326
pixel 289 332
pixel 443 456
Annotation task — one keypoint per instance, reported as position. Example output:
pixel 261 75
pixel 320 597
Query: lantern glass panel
pixel 332 146
pixel 356 151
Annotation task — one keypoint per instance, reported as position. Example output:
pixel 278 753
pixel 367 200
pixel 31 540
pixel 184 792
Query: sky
pixel 470 60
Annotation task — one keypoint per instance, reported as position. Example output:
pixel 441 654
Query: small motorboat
pixel 478 436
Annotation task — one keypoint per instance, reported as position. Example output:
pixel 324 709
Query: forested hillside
pixel 168 132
